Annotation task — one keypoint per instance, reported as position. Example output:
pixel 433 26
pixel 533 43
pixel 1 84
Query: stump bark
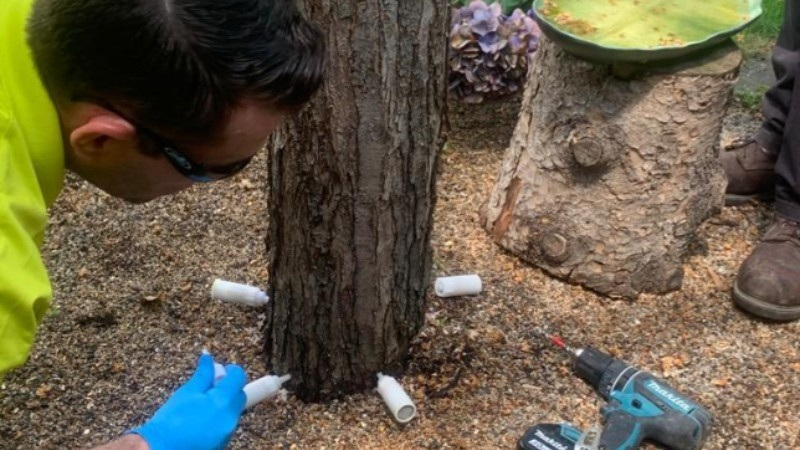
pixel 611 169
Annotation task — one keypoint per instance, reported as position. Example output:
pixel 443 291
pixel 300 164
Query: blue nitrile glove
pixel 198 416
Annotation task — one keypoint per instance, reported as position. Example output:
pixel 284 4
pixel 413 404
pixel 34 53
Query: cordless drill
pixel 640 407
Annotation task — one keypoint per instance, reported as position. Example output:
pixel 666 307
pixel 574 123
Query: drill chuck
pixel 591 364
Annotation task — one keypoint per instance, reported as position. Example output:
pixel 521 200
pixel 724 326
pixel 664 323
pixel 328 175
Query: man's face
pixel 104 149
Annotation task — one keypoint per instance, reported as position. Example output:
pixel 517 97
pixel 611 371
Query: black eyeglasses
pixel 197 172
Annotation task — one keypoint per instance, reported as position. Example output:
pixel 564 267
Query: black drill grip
pixel 621 432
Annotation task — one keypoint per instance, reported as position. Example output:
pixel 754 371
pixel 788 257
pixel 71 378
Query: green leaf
pixel 510 5
pixel 647 24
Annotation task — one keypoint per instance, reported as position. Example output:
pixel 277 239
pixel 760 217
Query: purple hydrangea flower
pixel 485 19
pixel 491 43
pixel 490 52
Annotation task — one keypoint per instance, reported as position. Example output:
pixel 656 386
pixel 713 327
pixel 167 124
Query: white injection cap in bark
pixel 263 388
pixel 396 399
pixel 242 294
pixel 458 285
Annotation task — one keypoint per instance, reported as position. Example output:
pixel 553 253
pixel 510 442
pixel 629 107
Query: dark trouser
pixel 780 132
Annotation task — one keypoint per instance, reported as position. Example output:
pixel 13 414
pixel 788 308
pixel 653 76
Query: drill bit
pixel 545 334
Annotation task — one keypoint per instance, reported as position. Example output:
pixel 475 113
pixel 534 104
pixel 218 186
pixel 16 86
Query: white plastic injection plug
pixel 396 399
pixel 242 294
pixel 458 285
pixel 256 391
pixel 264 388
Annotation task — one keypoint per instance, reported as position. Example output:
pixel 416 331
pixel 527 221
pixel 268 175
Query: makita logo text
pixel 669 395
pixel 550 441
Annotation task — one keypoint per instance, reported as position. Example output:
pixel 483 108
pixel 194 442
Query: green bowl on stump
pixel 608 31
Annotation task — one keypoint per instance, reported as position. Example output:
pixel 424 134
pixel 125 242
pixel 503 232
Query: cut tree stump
pixel 612 169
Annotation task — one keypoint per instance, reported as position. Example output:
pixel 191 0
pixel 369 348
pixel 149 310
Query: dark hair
pixel 178 65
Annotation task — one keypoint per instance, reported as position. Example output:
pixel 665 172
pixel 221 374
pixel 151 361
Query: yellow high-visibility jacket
pixel 31 176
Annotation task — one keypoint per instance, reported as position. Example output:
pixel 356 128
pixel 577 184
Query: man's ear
pixel 101 131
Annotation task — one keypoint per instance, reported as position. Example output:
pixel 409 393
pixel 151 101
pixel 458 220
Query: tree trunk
pixel 611 170
pixel 352 195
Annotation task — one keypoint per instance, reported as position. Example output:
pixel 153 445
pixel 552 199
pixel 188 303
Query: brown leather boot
pixel 750 172
pixel 768 284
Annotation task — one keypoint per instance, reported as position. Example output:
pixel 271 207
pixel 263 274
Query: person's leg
pixel 777 102
pixel 787 185
pixel 768 283
pixel 750 166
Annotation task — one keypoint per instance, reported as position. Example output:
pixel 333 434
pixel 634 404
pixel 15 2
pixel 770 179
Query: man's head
pixel 154 94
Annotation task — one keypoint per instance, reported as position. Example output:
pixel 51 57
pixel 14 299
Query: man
pixel 768 283
pixel 142 98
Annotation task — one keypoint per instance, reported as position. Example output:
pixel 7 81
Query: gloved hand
pixel 199 415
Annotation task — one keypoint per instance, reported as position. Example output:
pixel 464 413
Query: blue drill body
pixel 640 406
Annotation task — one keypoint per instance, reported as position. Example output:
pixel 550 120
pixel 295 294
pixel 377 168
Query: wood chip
pixel 43 390
pixel 721 382
pixel 715 278
pixel 669 364
pixel 152 298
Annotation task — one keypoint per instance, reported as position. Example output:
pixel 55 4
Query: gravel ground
pixel 132 312
pixel 756 73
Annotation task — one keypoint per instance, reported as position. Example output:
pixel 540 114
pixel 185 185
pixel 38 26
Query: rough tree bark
pixel 352 195
pixel 611 170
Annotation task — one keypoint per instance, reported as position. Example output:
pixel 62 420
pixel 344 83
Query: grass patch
pixel 758 39
pixel 751 99
pixel 769 24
